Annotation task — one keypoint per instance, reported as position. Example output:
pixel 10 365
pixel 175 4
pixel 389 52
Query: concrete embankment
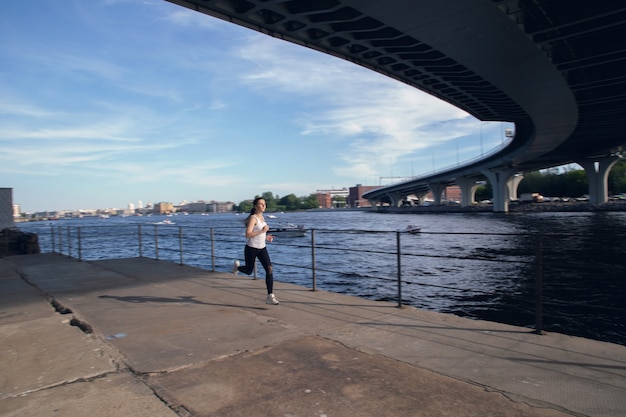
pixel 140 337
pixel 555 207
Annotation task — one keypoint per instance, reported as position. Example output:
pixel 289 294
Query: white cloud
pixel 15 108
pixel 188 18
pixel 380 118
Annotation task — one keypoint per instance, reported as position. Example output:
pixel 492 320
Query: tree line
pixel 289 202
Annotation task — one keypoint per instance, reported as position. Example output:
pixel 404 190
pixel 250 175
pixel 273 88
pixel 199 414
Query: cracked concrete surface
pixel 167 340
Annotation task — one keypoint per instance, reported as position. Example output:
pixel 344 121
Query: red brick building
pixel 355 196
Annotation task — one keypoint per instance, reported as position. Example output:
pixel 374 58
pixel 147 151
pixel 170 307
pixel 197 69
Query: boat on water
pixel 412 229
pixel 166 221
pixel 289 230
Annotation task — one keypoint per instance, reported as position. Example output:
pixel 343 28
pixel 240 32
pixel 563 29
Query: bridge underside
pixel 555 68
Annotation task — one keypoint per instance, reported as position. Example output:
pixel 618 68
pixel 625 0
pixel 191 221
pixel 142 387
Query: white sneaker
pixel 271 299
pixel 235 266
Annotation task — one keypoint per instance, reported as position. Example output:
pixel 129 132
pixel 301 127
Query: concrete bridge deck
pixel 170 340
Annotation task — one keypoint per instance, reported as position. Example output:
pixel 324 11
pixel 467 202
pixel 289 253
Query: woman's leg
pixel 249 254
pixel 264 257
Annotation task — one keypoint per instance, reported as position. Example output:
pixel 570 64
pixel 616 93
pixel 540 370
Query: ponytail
pixel 253 210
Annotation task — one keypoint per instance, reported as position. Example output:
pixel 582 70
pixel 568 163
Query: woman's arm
pixel 250 227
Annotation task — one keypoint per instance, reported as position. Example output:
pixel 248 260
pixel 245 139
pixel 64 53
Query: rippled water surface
pixel 477 265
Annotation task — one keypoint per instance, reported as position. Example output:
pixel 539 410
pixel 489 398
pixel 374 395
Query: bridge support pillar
pixel 395 199
pixel 500 185
pixel 468 190
pixel 512 185
pixel 597 171
pixel 437 188
pixel 421 197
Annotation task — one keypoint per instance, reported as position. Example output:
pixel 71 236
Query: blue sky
pixel 109 102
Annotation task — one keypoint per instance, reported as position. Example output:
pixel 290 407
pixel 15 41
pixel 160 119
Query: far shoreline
pixel 554 207
pixel 558 207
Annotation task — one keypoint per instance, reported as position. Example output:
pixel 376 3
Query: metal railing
pixel 318 254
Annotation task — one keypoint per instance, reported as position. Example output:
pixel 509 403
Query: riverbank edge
pixel 612 206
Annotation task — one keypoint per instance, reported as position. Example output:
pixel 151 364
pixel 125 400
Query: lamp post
pixel 481 138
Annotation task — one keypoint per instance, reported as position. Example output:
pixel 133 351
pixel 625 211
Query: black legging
pixel 250 255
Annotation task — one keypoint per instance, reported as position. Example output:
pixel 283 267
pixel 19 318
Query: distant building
pixel 197 207
pixel 202 206
pixel 355 197
pixel 452 193
pixel 325 198
pixel 220 207
pixel 125 212
pixel 163 208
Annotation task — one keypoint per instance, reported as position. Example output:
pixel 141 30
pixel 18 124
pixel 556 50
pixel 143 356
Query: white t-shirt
pixel 257 241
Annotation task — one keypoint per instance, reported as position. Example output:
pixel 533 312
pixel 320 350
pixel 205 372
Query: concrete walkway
pixel 140 337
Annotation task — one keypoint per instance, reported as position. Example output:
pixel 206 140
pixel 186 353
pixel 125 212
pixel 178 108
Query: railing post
pixel 69 241
pixel 399 257
pixel 180 243
pixel 314 276
pixel 53 239
pixel 212 250
pixel 156 242
pixel 538 285
pixel 140 243
pixel 80 245
pixel 60 240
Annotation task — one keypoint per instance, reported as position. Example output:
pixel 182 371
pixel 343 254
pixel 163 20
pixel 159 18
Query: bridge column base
pixel 395 199
pixel 597 171
pixel 437 188
pixel 501 186
pixel 468 190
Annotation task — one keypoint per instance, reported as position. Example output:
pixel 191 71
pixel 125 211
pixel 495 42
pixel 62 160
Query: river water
pixel 476 265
